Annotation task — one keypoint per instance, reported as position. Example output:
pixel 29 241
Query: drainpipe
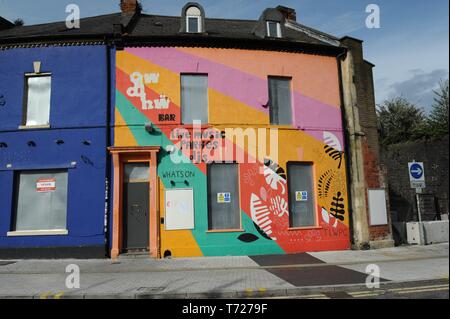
pixel 354 159
pixel 346 147
pixel 108 143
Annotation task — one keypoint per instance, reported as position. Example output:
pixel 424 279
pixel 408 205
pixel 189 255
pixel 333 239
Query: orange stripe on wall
pixel 314 76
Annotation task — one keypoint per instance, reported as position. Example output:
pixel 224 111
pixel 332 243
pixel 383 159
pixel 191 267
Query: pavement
pixel 322 275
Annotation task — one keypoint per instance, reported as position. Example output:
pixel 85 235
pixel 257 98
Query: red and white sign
pixel 46 185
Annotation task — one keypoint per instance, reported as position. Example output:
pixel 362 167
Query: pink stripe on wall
pixel 308 113
pixel 243 87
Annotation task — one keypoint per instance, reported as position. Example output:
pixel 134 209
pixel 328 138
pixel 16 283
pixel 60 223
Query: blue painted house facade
pixel 54 135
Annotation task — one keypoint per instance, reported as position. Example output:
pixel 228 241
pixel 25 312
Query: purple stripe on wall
pixel 308 114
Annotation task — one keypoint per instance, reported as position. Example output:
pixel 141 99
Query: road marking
pixel 263 290
pixel 45 295
pixel 367 295
pixel 422 290
pixel 396 289
pixel 318 296
pixel 406 290
pixel 58 295
pixel 418 287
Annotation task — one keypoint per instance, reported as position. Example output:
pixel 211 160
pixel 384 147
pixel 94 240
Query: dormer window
pixel 194 20
pixel 273 29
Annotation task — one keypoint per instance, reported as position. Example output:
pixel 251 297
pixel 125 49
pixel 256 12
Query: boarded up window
pixel 194 98
pixel 280 101
pixel 41 200
pixel 223 196
pixel 38 100
pixel 301 195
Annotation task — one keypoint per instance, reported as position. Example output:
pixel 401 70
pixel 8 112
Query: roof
pixel 145 26
pixel 92 26
pixel 5 24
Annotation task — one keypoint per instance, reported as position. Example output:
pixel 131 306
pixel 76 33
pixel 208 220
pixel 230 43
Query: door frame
pixel 144 154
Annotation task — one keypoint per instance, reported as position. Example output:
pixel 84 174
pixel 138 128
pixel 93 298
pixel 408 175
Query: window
pixel 38 90
pixel 193 20
pixel 41 200
pixel 223 197
pixel 280 101
pixel 301 195
pixel 193 24
pixel 194 98
pixel 273 29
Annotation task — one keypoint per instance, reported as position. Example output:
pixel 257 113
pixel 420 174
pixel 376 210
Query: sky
pixel 410 49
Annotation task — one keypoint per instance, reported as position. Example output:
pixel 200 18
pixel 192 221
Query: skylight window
pixel 193 20
pixel 273 29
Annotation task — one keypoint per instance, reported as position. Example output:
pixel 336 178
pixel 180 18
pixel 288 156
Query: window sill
pixel 305 228
pixel 56 232
pixel 33 127
pixel 225 231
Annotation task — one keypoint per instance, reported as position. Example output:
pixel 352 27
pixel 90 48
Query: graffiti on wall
pixel 148 90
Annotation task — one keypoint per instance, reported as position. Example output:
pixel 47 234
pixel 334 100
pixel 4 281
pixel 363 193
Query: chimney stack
pixel 129 6
pixel 288 13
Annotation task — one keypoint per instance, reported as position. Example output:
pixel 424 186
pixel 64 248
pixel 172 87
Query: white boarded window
pixel 273 29
pixel 194 98
pixel 38 91
pixel 41 200
pixel 377 207
pixel 280 100
pixel 223 197
pixel 302 212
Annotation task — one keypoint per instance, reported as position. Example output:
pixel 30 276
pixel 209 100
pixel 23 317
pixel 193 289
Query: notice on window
pixel 223 198
pixel 301 196
pixel 46 185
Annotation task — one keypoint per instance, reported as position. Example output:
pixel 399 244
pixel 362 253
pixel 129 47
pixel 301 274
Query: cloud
pixel 419 87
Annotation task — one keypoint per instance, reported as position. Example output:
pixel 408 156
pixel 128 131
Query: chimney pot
pixel 129 6
pixel 288 13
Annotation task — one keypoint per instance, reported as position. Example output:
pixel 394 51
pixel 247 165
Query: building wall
pixel 238 91
pixel 434 155
pixel 374 175
pixel 77 114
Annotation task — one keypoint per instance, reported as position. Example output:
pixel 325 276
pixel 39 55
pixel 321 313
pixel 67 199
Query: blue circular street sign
pixel 416 171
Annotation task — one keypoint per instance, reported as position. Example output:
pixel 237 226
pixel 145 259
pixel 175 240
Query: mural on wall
pixel 148 91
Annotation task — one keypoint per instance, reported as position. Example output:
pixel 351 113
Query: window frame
pixel 238 191
pixel 182 108
pixel 199 26
pixel 278 25
pixel 15 195
pixel 314 187
pixel 23 125
pixel 291 91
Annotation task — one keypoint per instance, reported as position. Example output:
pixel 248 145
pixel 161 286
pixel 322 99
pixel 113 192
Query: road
pixel 434 291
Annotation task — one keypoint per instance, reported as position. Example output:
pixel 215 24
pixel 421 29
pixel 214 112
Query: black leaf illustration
pixel 261 232
pixel 334 154
pixel 248 238
pixel 275 167
pixel 337 207
pixel 325 183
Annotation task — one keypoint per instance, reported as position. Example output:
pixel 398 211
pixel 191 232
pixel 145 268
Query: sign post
pixel 417 181
pixel 416 175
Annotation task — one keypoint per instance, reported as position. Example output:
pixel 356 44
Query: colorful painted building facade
pixel 237 92
pixel 181 136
